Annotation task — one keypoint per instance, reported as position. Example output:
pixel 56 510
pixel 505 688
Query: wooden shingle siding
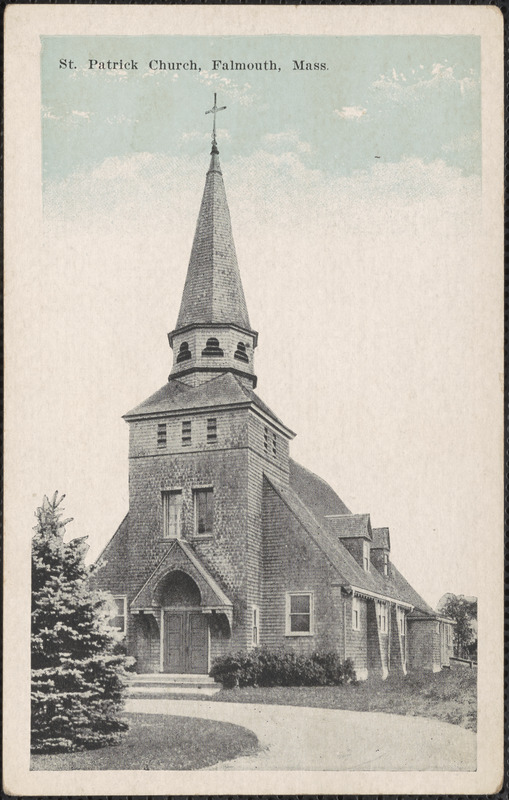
pixel 231 430
pixel 356 641
pixel 293 563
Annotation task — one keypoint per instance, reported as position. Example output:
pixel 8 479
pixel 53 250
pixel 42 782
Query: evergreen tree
pixel 78 673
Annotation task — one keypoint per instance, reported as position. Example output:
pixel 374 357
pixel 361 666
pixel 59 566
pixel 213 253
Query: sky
pixel 354 193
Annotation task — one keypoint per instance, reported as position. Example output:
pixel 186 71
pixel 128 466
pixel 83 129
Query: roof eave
pixel 377 596
pixel 190 325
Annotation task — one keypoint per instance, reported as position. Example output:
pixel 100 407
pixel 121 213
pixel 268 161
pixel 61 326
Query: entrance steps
pixel 164 684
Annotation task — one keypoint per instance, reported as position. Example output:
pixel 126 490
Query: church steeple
pixel 213 333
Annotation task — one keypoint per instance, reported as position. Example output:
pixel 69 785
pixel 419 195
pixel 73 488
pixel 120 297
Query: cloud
pixel 241 93
pixel 158 73
pixel 285 140
pixel 200 136
pixel 400 86
pixel 350 112
pixel 47 113
pixel 84 114
pixel 464 143
pixel 119 119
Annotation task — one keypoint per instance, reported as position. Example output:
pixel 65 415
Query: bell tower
pixel 213 333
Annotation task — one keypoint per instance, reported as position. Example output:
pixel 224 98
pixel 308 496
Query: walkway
pixel 327 739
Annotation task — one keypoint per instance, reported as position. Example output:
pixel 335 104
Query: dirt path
pixel 302 738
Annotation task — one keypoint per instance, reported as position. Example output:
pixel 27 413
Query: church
pixel 229 544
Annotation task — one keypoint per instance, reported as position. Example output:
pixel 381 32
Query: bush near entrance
pixel 263 667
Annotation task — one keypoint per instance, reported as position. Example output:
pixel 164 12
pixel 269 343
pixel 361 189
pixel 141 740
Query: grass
pixel 449 695
pixel 160 742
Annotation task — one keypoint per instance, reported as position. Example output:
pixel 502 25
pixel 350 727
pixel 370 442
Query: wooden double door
pixel 186 642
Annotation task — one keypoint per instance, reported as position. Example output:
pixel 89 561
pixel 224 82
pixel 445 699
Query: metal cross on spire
pixel 214 111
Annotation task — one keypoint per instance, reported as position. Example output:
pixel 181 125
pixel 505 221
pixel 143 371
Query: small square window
pixel 212 430
pixel 119 620
pixel 186 432
pixel 204 511
pixel 299 614
pixel 161 434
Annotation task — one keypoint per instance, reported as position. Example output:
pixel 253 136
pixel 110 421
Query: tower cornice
pixel 215 325
pixel 215 370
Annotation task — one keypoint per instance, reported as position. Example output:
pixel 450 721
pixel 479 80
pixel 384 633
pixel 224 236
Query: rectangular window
pixel 299 614
pixel 401 617
pixel 161 434
pixel 266 438
pixel 365 555
pixel 186 432
pixel 256 625
pixel 386 564
pixel 356 614
pixel 212 430
pixel 172 514
pixel 118 621
pixel 274 445
pixel 381 614
pixel 204 511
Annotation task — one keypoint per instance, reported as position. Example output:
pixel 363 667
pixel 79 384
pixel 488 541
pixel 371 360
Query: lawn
pixel 155 741
pixel 449 695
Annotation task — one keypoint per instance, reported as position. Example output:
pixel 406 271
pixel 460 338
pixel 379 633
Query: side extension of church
pixel 229 544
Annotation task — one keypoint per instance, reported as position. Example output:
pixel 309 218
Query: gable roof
pixel 349 526
pixel 213 290
pixel 180 556
pixel 224 390
pixel 350 573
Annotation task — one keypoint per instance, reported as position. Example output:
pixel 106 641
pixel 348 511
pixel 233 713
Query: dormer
pixel 380 551
pixel 354 532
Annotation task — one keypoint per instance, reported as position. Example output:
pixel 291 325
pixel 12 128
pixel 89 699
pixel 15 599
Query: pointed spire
pixel 213 289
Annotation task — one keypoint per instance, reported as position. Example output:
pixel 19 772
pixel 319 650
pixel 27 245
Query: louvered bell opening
pixel 184 353
pixel 212 348
pixel 240 353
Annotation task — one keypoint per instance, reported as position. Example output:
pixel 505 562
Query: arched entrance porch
pixel 181 618
pixel 185 635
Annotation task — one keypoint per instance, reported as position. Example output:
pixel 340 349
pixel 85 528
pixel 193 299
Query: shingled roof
pixel 316 493
pixel 349 526
pixel 381 539
pixel 350 573
pixel 225 389
pixel 213 290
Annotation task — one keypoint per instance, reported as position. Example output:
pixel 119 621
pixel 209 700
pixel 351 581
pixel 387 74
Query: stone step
pixel 171 679
pixel 166 690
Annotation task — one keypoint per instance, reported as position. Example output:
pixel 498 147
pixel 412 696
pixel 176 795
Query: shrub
pixel 264 667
